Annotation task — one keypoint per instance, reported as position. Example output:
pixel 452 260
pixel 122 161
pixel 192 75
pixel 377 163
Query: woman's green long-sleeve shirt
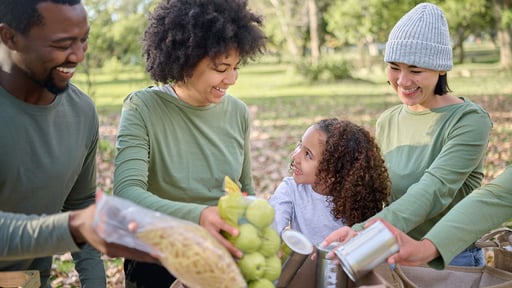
pixel 435 158
pixel 172 157
pixel 480 212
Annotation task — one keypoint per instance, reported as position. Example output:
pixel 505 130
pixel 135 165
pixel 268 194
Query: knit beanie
pixel 421 38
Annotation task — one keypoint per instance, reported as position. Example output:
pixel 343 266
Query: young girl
pixel 339 178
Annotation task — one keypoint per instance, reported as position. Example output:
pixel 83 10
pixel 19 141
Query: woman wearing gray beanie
pixel 434 143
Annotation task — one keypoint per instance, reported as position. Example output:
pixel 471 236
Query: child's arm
pixel 282 201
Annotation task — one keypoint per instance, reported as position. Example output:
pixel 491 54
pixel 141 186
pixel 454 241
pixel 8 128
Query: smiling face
pixel 307 156
pixel 50 52
pixel 210 80
pixel 415 86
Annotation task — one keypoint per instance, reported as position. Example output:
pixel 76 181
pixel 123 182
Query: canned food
pixel 368 249
pixel 296 248
pixel 328 272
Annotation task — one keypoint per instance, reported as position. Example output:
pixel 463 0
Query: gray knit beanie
pixel 421 38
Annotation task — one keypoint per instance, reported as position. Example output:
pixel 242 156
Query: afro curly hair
pixel 353 171
pixel 181 33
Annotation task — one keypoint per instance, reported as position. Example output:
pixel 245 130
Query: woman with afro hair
pixel 339 178
pixel 179 139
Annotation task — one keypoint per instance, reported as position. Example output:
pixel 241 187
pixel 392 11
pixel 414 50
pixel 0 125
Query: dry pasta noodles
pixel 194 256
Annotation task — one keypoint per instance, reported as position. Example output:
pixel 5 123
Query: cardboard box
pixel 20 279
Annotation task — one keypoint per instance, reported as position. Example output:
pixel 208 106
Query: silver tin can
pixel 328 272
pixel 296 248
pixel 366 250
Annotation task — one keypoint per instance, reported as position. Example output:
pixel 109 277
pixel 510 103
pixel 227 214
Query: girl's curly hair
pixel 181 33
pixel 352 170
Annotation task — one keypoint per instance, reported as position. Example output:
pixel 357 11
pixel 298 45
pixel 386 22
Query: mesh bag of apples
pixel 260 264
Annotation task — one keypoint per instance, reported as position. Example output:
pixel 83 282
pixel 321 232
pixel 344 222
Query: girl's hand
pixel 341 235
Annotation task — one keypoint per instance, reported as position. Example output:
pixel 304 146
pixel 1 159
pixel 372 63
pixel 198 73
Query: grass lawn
pixel 283 104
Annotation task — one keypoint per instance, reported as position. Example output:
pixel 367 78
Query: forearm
pixel 494 205
pixel 24 236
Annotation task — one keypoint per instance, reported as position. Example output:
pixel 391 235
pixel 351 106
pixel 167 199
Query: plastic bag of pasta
pixel 186 249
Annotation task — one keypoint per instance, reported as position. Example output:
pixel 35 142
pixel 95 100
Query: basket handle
pixel 499 237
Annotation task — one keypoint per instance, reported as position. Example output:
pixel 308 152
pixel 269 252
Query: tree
pixel 116 29
pixel 288 13
pixel 503 16
pixel 313 31
pixel 364 23
pixel 466 18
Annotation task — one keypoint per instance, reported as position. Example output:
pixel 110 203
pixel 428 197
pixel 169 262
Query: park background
pixel 324 58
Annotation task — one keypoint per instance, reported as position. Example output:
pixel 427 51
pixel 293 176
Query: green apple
pixel 231 207
pixel 272 268
pixel 270 241
pixel 252 266
pixel 260 213
pixel 248 239
pixel 261 283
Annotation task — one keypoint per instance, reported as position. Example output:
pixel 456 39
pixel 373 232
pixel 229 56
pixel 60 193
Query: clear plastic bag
pixel 186 249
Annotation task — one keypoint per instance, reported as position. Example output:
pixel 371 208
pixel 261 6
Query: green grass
pixel 264 83
pixel 284 103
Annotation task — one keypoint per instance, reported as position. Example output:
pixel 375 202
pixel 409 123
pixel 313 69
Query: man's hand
pixel 82 231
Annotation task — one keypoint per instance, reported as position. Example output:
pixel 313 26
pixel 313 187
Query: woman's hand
pixel 412 252
pixel 211 221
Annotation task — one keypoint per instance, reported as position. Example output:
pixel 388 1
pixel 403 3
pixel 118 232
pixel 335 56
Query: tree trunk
pixel 460 44
pixel 505 40
pixel 284 17
pixel 313 31
pixel 504 33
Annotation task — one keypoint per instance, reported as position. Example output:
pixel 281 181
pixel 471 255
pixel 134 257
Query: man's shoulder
pixel 74 89
pixel 78 102
pixel 78 96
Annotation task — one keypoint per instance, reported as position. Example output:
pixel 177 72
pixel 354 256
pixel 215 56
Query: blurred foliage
pixel 326 69
pixel 117 26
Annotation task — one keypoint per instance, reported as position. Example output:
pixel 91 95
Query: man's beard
pixel 49 84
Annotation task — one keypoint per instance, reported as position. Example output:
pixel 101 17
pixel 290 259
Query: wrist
pixel 74 224
pixel 429 250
